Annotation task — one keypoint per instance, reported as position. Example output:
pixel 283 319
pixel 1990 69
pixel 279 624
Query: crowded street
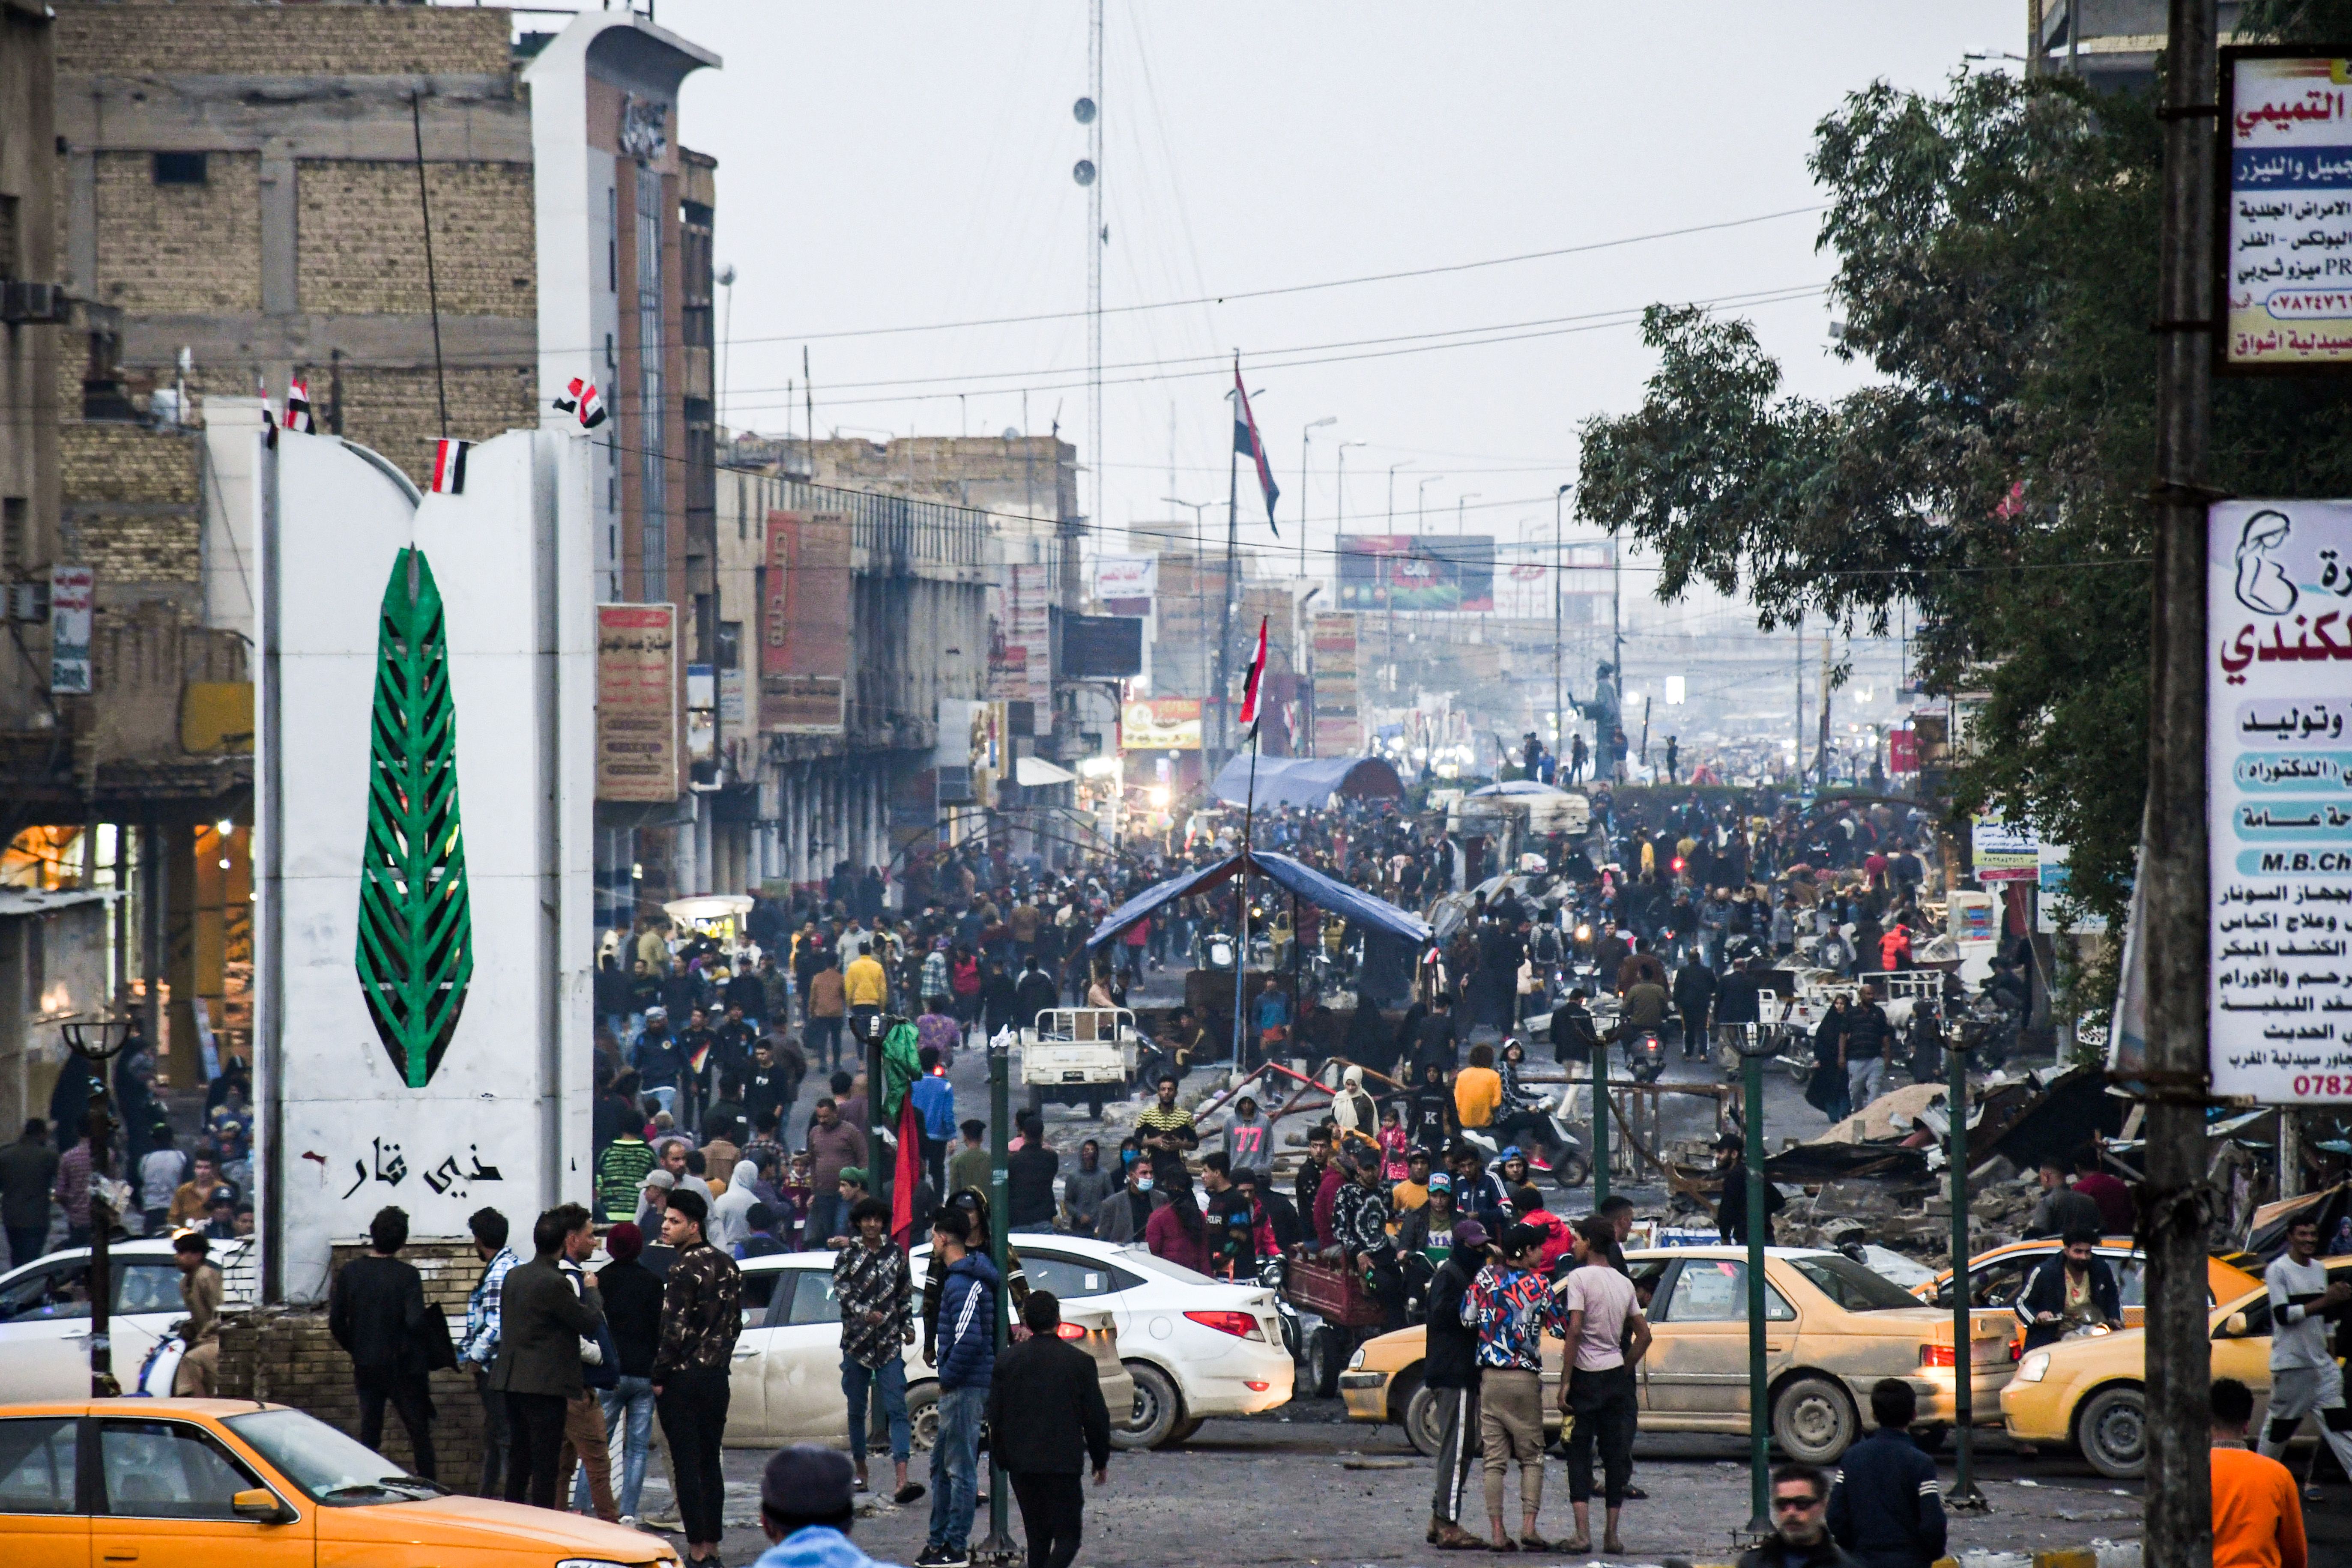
pixel 1065 782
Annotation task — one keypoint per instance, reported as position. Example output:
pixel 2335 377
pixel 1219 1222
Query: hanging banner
pixel 1339 731
pixel 1162 724
pixel 1902 751
pixel 73 597
pixel 636 702
pixel 2284 245
pixel 805 636
pixel 2003 851
pixel 1021 639
pixel 2278 787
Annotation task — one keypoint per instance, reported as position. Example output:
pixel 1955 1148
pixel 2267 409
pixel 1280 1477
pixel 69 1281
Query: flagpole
pixel 1241 958
pixel 1225 610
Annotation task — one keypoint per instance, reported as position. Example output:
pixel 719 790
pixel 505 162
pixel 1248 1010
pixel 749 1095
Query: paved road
pixel 1302 1486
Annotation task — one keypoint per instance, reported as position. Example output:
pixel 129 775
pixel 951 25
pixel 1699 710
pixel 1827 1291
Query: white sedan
pixel 785 1383
pixel 1197 1347
pixel 45 1316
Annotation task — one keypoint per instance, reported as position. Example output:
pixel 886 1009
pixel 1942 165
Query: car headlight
pixel 1356 1361
pixel 2033 1368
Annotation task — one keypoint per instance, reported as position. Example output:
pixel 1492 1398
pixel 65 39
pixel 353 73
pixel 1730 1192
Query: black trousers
pixel 1605 1410
pixel 495 1440
pixel 693 1409
pixel 407 1392
pixel 1053 1508
pixel 535 1435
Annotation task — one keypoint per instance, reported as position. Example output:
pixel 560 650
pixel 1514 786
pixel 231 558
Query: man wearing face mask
pixel 1125 1213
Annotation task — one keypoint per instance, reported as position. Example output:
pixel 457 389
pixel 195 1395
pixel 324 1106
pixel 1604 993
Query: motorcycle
pixel 1272 1272
pixel 1988 1032
pixel 1214 950
pixel 1645 1055
pixel 1570 1166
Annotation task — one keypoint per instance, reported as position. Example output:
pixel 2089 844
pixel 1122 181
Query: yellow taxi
pixel 1995 1278
pixel 2092 1392
pixel 198 1483
pixel 1833 1328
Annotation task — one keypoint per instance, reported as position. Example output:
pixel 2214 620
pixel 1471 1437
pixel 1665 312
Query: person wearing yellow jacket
pixel 866 985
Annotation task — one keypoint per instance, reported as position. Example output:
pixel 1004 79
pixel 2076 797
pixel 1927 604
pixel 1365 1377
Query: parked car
pixel 1833 1328
pixel 784 1384
pixel 2092 1392
pixel 1196 1347
pixel 44 1313
pixel 1997 1277
pixel 195 1483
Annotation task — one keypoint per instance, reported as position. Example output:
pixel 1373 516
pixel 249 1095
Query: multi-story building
pixel 233 198
pixel 2111 44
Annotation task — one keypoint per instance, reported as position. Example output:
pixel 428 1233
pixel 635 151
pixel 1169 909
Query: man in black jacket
pixel 2075 1290
pixel 1449 1365
pixel 541 1325
pixel 1035 993
pixel 1052 1386
pixel 1886 1508
pixel 1731 1212
pixel 1801 1535
pixel 1693 995
pixel 376 1312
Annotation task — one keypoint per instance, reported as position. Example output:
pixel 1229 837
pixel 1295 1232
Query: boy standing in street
pixel 1510 1304
pixel 1886 1508
pixel 967 1361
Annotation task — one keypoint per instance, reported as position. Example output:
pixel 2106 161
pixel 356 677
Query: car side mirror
pixel 2233 1327
pixel 260 1505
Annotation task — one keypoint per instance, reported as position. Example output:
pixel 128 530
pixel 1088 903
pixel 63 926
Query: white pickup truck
pixel 1070 1055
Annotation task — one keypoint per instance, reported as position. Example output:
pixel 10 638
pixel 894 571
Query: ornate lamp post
pixel 98 1042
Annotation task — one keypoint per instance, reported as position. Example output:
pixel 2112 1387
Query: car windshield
pixel 1852 1286
pixel 328 1466
pixel 1176 1272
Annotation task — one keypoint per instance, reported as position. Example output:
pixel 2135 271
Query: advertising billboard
pixel 1417 572
pixel 2284 245
pixel 1162 724
pixel 636 702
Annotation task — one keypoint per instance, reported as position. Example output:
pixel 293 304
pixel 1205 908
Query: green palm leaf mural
pixel 416 930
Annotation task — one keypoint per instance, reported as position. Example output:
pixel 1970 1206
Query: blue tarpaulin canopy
pixel 1292 876
pixel 1307 781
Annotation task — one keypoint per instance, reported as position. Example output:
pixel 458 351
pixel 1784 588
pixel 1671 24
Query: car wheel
pixel 1327 1353
pixel 2113 1432
pixel 923 1415
pixel 1424 1418
pixel 1813 1421
pixel 1158 1409
pixel 1185 1429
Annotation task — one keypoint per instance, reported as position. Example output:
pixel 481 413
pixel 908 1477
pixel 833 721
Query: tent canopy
pixel 1305 781
pixel 1516 787
pixel 1292 876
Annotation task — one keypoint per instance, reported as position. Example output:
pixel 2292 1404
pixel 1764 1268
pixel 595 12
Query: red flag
pixel 1257 677
pixel 1247 443
pixel 906 1175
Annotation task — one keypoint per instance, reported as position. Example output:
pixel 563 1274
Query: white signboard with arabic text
pixel 2285 239
pixel 2278 787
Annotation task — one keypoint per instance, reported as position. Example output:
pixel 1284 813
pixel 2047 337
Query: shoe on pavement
pixel 664 1522
pixel 1613 1547
pixel 1635 1494
pixel 1452 1537
pixel 943 1557
pixel 911 1492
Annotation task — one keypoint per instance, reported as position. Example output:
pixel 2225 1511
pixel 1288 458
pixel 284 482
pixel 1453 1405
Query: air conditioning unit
pixel 28 601
pixel 955 786
pixel 24 302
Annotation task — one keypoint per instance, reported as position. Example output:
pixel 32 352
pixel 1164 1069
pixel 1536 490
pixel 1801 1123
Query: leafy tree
pixel 1997 261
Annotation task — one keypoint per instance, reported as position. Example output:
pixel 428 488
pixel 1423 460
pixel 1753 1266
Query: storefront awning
pixel 1309 781
pixel 1030 772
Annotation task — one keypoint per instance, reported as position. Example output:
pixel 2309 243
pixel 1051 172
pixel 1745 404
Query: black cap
pixel 1517 1238
pixel 806 1481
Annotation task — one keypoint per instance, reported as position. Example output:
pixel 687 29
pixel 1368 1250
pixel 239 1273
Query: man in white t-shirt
pixel 2305 1379
pixel 1597 1391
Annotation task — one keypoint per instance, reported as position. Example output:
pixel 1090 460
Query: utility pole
pixel 1233 542
pixel 1098 237
pixel 1559 681
pixel 1306 439
pixel 2178 1518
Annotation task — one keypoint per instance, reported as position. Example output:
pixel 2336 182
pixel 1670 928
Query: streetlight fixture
pixel 1559 682
pixel 1305 439
pixel 1459 501
pixel 97 1042
pixel 1392 469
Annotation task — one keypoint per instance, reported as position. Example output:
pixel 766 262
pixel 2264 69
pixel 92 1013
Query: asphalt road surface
pixel 1303 1486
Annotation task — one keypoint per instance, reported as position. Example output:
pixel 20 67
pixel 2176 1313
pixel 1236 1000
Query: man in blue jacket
pixel 1886 1508
pixel 967 1361
pixel 935 1106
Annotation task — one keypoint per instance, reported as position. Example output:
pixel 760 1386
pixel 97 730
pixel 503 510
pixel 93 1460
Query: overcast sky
pixel 905 166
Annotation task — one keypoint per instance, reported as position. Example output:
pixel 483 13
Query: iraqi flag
pixel 298 407
pixel 450 467
pixel 1247 443
pixel 1250 688
pixel 583 402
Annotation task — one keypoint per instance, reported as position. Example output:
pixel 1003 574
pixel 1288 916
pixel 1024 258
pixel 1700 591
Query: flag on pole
pixel 450 467
pixel 1246 442
pixel 1256 678
pixel 907 1176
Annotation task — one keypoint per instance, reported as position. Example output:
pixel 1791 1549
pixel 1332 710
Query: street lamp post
pixel 1559 628
pixel 1964 1497
pixel 998 1547
pixel 1339 502
pixel 1200 616
pixel 1753 1052
pixel 97 1043
pixel 1307 438
pixel 1459 501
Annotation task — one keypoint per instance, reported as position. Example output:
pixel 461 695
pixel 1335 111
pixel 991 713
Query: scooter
pixel 1272 1271
pixel 1216 949
pixel 1645 1055
pixel 1570 1166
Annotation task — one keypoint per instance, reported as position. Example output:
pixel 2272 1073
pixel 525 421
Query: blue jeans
pixel 955 1455
pixel 825 1216
pixel 890 1382
pixel 665 1094
pixel 634 1439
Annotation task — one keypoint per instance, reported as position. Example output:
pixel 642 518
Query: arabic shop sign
pixel 2003 851
pixel 2278 784
pixel 2284 268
